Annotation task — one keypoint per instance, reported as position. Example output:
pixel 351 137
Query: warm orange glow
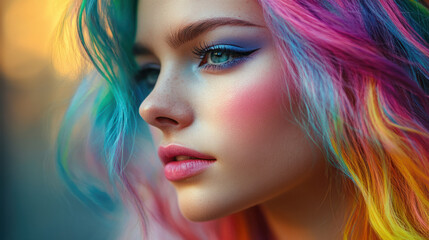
pixel 29 40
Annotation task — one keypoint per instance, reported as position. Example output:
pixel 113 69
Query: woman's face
pixel 221 92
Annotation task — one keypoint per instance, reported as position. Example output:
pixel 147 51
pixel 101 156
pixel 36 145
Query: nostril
pixel 166 120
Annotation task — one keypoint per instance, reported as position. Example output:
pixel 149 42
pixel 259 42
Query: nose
pixel 167 107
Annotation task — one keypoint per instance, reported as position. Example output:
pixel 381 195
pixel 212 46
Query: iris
pixel 219 57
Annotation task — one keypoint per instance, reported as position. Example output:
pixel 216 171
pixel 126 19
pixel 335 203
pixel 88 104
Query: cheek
pixel 252 104
pixel 254 112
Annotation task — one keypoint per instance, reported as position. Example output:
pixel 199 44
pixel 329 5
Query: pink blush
pixel 254 103
pixel 252 108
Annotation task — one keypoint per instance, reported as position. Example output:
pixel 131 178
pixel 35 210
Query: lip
pixel 180 170
pixel 169 152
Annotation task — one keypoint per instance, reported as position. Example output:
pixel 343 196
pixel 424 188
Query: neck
pixel 317 208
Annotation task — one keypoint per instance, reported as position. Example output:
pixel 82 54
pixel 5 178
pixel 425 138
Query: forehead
pixel 157 18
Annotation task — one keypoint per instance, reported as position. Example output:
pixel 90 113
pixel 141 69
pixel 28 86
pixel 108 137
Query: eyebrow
pixel 193 30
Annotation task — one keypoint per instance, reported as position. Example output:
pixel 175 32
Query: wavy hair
pixel 361 69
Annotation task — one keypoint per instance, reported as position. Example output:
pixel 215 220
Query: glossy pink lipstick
pixel 181 163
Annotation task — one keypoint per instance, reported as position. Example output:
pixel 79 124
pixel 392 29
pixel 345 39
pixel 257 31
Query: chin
pixel 201 208
pixel 201 213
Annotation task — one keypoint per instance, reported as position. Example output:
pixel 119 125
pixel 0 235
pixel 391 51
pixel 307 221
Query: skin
pixel 239 115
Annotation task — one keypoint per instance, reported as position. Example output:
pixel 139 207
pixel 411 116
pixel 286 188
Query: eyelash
pixel 202 52
pixel 239 55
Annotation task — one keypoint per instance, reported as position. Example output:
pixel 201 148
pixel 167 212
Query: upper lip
pixel 170 152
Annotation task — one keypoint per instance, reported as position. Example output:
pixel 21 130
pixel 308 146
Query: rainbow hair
pixel 361 69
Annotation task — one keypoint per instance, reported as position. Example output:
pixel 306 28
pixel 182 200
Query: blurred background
pixel 35 89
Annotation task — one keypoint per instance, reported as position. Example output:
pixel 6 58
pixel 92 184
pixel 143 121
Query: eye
pixel 147 75
pixel 219 57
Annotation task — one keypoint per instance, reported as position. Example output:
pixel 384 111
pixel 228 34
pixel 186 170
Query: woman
pixel 275 119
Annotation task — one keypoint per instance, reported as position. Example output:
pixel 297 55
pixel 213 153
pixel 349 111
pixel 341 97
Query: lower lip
pixel 179 170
